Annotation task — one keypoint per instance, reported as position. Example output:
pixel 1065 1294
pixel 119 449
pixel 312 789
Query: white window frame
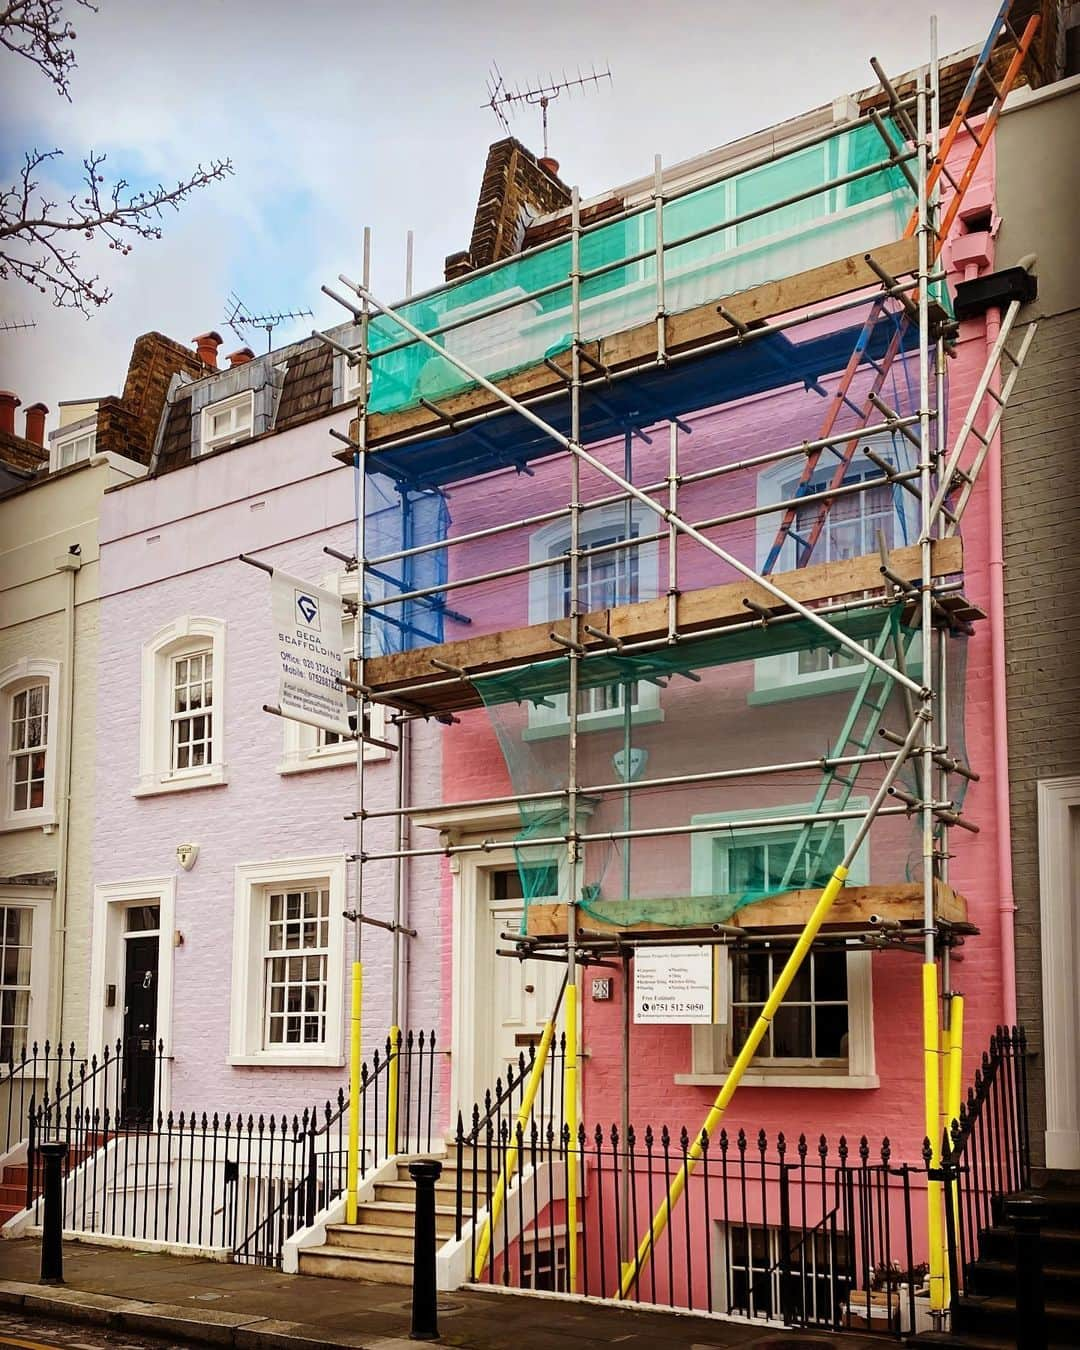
pixel 182 637
pixel 304 747
pixel 22 897
pixel 70 439
pixel 350 380
pixel 778 678
pixel 711 1058
pixel 545 606
pixel 241 408
pixel 24 674
pixel 253 883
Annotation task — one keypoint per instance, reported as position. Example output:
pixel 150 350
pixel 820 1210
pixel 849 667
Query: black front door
pixel 140 1029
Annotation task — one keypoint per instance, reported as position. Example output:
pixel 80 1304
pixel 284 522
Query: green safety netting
pixel 713 254
pixel 711 712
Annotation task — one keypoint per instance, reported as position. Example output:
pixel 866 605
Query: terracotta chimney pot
pixel 35 423
pixel 206 348
pixel 550 165
pixel 241 357
pixel 8 403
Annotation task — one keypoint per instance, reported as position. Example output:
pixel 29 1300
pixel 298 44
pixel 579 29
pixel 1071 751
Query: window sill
pixel 214 777
pixel 308 763
pixel 605 721
pixel 812 686
pixel 268 1059
pixel 781 1079
pixel 29 820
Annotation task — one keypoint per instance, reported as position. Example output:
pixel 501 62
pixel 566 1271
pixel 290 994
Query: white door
pixel 522 993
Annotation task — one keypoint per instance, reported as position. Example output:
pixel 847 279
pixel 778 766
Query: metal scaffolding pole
pixel 356 1013
pixel 574 859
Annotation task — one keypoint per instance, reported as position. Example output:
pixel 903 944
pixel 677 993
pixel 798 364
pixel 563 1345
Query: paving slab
pixel 197 1302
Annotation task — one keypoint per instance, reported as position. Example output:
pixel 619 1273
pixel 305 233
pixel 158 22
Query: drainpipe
pixel 1006 902
pixel 69 563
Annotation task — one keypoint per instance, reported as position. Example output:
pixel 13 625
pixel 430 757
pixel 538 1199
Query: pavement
pixel 187 1301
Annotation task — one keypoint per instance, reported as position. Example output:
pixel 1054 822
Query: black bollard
pixel 425 1313
pixel 1025 1213
pixel 52 1227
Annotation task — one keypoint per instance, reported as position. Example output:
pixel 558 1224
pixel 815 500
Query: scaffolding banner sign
pixel 308 631
pixel 675 985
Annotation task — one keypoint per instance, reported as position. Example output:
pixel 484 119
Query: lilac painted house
pixel 220 827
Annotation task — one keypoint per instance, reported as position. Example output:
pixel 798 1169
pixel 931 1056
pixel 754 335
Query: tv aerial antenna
pixel 240 317
pixel 505 101
pixel 16 325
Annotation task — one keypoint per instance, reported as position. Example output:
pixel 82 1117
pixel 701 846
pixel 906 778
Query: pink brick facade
pixel 473 767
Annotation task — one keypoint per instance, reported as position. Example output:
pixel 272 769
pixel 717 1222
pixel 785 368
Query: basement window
pixel 228 421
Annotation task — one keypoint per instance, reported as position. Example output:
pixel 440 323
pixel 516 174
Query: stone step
pixel 341 1263
pixel 1061 1284
pixel 1060 1246
pixel 404 1192
pixel 397 1215
pixel 370 1237
pixel 997 1316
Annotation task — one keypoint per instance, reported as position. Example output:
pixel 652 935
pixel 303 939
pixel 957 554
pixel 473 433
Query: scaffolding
pixel 588 358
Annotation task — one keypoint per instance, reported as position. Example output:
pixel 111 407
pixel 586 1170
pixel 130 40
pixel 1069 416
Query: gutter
pixel 999 699
pixel 70 563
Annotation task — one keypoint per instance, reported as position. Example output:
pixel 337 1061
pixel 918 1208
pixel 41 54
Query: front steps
pixel 13 1184
pixel 986 1317
pixel 379 1246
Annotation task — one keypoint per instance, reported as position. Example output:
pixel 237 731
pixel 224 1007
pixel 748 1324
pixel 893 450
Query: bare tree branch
pixel 38 31
pixel 36 234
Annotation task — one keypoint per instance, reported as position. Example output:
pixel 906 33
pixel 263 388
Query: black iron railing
pixel 805 1235
pixel 242 1183
pixel 36 1071
pixel 87 1102
pixel 986 1154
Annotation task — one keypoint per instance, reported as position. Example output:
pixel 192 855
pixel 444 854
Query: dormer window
pixel 73 449
pixel 228 421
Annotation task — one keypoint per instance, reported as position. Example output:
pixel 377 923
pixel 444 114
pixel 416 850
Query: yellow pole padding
pixel 945 1043
pixel 392 1093
pixel 955 1068
pixel 954 1090
pixel 352 1175
pixel 570 1078
pixel 932 1097
pixel 531 1089
pixel 731 1082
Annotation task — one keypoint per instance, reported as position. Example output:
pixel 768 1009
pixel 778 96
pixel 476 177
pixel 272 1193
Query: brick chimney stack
pixel 206 348
pixel 8 403
pixel 35 423
pixel 241 357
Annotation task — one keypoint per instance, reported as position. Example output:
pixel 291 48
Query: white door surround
pixel 1059 921
pixel 107 963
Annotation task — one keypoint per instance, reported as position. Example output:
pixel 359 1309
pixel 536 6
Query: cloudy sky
pixel 341 113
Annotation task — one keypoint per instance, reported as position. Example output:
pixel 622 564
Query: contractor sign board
pixel 674 984
pixel 310 655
